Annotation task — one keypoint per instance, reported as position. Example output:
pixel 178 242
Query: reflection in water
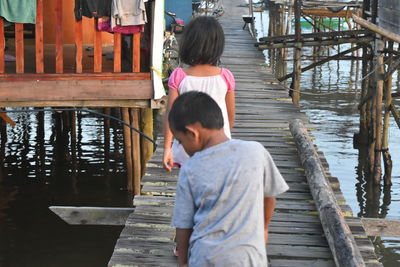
pixel 42 166
pixel 330 97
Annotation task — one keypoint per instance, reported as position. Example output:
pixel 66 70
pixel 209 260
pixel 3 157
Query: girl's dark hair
pixel 194 107
pixel 202 42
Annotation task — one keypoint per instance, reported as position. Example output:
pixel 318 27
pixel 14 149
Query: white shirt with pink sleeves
pixel 215 86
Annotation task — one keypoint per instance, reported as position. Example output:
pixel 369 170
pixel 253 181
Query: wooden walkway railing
pixel 59 44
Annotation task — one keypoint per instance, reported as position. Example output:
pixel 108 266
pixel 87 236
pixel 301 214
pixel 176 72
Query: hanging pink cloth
pixel 104 25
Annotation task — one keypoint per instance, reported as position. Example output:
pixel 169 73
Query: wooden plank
pixel 59 37
pixel 136 52
pixel 98 64
pixel 78 90
pixel 117 52
pixel 2 44
pixel 39 53
pixel 19 47
pixel 137 103
pixel 381 227
pixel 78 46
pixel 92 215
pixel 4 78
pixel 127 149
pixel 136 157
pixel 7 119
pixel 297 262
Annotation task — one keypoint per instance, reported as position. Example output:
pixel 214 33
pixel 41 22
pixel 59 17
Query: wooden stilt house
pixel 70 63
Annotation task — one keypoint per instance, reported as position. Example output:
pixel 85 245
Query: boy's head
pixel 202 42
pixel 194 117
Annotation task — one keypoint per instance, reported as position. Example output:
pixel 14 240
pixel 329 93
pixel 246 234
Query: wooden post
pixel 97 64
pixel 59 38
pixel 2 45
pixel 78 46
pixel 387 160
pixel 19 47
pixel 134 112
pixel 136 52
pixel 39 37
pixel 128 148
pixel 117 52
pixel 340 239
pixel 363 136
pixel 297 55
pixel 379 76
pixel 147 147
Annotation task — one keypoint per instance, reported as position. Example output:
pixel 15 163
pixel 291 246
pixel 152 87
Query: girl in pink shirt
pixel 201 47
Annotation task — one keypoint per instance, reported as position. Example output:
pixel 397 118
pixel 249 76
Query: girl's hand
pixel 266 235
pixel 168 161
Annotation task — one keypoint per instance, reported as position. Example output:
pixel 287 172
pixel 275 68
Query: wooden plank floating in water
pixel 92 215
pixel 381 227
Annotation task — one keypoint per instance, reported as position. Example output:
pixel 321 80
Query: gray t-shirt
pixel 220 196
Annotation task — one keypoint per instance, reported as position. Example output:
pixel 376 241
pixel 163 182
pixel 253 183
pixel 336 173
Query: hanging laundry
pixel 92 8
pixel 18 11
pixel 128 13
pixel 104 24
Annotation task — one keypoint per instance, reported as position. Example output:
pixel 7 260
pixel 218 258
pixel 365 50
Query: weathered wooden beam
pixel 137 103
pixel 92 215
pixel 59 37
pixel 78 46
pixel 4 78
pixel 39 51
pixel 7 119
pixel 317 43
pixel 337 232
pixel 75 90
pixel 311 66
pixel 375 28
pixel 19 48
pixel 381 227
pixel 2 44
pixel 349 33
pixel 98 57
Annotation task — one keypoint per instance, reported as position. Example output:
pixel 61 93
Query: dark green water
pixel 40 170
pixel 330 99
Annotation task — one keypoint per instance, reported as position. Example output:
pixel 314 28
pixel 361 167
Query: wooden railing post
pixel 2 45
pixel 39 37
pixel 78 46
pixel 97 64
pixel 19 47
pixel 136 52
pixel 59 38
pixel 117 52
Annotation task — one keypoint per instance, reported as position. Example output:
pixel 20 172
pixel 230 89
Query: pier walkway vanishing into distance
pixel 263 114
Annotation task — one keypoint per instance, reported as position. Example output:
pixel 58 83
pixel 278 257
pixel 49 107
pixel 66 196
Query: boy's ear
pixel 192 131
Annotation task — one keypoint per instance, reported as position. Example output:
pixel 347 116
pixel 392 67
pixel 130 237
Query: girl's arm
pixel 182 242
pixel 230 106
pixel 168 161
pixel 269 207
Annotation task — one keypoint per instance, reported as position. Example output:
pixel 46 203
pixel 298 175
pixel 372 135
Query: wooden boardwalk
pixel 263 114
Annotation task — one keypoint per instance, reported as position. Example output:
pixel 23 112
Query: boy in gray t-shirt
pixel 226 191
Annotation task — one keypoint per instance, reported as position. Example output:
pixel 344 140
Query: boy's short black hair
pixel 202 42
pixel 192 107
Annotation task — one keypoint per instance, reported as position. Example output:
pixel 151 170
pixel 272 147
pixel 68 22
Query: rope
pixel 87 110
